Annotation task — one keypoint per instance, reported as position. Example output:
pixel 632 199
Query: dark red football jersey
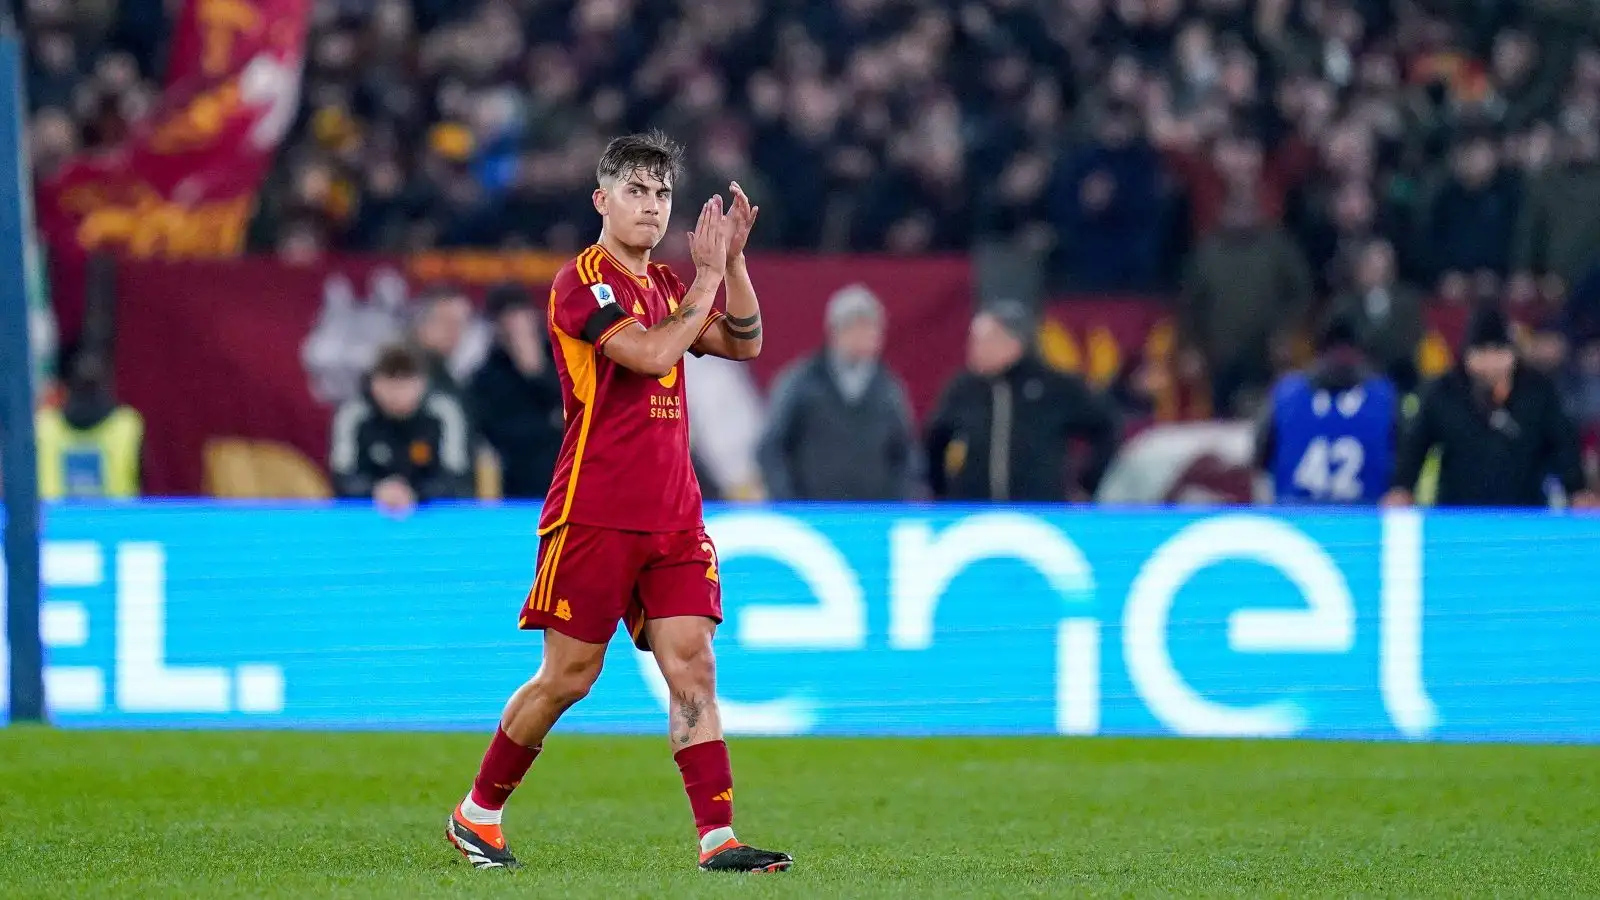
pixel 625 456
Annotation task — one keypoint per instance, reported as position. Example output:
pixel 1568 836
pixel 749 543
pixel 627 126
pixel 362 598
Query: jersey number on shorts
pixel 711 552
pixel 1331 470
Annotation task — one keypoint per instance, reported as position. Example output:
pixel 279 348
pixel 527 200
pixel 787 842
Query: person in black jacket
pixel 401 443
pixel 1002 428
pixel 1499 428
pixel 516 396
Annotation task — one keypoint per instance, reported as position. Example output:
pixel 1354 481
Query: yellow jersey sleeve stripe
pixel 614 330
pixel 589 266
pixel 710 321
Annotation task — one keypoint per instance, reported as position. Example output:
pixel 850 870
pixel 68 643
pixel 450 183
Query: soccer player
pixel 621 536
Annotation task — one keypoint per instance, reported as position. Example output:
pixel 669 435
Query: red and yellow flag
pixel 183 185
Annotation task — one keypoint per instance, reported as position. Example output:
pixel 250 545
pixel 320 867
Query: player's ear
pixel 600 200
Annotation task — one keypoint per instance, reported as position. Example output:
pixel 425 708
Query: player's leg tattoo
pixel 682 647
pixel 687 710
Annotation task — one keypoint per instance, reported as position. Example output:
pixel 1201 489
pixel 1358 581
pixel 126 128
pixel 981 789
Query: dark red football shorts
pixel 589 579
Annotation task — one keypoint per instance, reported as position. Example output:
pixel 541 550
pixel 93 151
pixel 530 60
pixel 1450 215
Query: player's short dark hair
pixel 399 361
pixel 651 152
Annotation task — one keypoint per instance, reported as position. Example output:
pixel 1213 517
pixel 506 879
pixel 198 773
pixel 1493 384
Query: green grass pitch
pixel 275 814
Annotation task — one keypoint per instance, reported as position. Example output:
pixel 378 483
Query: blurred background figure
pixel 1004 426
pixel 455 340
pixel 89 446
pixel 403 443
pixel 1328 434
pixel 839 426
pixel 1498 428
pixel 1110 207
pixel 1471 219
pixel 1385 315
pixel 516 396
pixel 1245 296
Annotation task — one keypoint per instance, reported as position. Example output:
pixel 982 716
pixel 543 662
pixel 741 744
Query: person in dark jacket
pixel 516 396
pixel 401 443
pixel 1499 429
pixel 1003 427
pixel 839 427
pixel 1108 203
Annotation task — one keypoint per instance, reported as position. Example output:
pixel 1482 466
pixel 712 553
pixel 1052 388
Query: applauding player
pixel 622 537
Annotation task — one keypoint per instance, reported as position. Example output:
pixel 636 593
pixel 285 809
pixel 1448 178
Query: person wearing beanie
pixel 1002 428
pixel 1498 428
pixel 1327 435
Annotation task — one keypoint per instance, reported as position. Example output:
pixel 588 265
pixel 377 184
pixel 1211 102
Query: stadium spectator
pixel 839 425
pixel 882 127
pixel 1558 233
pixel 516 397
pixel 401 444
pixel 52 140
pixel 1498 427
pixel 1003 427
pixel 1109 203
pixel 1336 224
pixel 1471 220
pixel 1386 314
pixel 1246 293
pixel 1583 385
pixel 447 329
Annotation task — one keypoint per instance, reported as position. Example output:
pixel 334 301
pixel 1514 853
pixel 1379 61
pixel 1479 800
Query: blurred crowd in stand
pixel 1269 165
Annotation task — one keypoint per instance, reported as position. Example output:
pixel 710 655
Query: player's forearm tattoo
pixel 681 314
pixel 746 328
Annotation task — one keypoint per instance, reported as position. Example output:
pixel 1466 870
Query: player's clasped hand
pixel 708 242
pixel 743 216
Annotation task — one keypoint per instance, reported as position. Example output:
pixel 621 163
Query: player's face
pixel 636 209
pixel 398 397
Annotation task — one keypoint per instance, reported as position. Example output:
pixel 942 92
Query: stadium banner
pixel 183 183
pixel 905 620
pixel 257 349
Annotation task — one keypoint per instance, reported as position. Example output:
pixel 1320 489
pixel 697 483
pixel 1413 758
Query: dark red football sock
pixel 504 764
pixel 708 780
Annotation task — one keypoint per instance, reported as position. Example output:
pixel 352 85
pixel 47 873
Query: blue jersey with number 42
pixel 1332 447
